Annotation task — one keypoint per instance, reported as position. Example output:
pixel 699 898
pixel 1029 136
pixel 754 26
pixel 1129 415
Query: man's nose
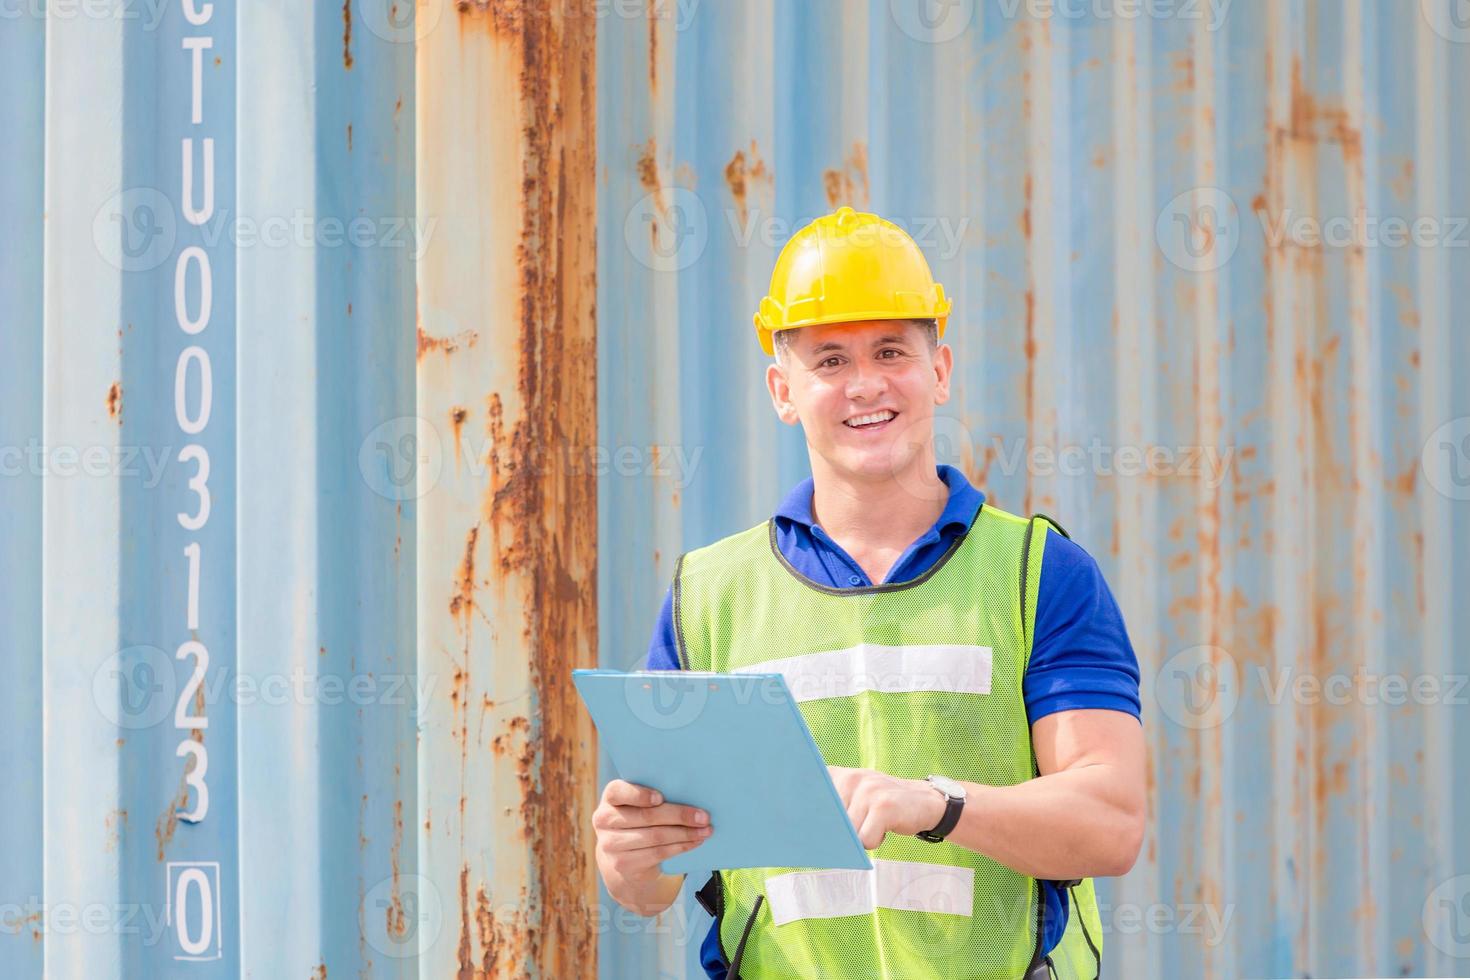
pixel 866 381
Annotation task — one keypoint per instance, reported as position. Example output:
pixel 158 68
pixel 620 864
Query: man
pixel 978 710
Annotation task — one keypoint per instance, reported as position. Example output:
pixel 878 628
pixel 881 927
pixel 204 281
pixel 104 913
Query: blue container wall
pixel 1256 433
pixel 1260 435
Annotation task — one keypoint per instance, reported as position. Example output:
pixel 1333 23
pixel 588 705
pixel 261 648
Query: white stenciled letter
pixel 197 216
pixel 198 45
pixel 196 15
pixel 196 256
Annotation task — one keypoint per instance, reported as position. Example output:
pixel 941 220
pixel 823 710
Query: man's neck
pixel 864 516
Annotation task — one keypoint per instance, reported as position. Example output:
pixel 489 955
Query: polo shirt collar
pixel 964 501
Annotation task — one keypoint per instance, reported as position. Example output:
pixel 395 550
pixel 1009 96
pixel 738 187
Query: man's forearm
pixel 646 898
pixel 1077 823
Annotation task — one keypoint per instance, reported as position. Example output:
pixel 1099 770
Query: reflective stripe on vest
pixel 952 668
pixel 906 885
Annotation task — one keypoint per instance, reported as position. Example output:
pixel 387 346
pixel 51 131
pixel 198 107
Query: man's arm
pixel 1083 817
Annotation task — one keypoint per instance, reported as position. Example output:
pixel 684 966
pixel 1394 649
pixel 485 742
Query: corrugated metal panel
pixel 22 872
pixel 507 529
pixel 395 574
pixel 1039 152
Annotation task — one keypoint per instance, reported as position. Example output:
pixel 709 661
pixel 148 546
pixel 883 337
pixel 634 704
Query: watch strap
pixel 952 807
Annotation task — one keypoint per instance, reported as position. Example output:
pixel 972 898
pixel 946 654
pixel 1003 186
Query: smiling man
pixel 964 671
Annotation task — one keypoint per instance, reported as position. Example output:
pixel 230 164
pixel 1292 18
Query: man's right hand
pixel 636 829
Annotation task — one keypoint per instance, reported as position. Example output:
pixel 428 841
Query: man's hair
pixel 781 339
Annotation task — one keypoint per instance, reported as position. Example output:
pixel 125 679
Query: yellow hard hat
pixel 849 265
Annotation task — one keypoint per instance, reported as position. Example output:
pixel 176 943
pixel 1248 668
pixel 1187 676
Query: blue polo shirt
pixel 1080 653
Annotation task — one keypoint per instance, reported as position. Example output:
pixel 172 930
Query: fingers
pixel 635 854
pixel 625 805
pixel 870 829
pixel 620 792
pixel 645 838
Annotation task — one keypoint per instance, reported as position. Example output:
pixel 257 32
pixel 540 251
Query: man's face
pixel 864 393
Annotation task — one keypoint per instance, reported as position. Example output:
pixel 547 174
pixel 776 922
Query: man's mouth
pixel 871 421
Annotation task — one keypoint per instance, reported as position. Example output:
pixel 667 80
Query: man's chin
pixel 871 465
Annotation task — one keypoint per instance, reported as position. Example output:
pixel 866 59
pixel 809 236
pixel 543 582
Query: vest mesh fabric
pixel 738 603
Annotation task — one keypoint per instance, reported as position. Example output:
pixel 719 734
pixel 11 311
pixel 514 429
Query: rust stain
pixel 114 401
pixel 1314 121
pixel 346 63
pixel 505 18
pixel 648 177
pixel 517 729
pixel 1404 482
pixel 653 15
pixel 169 821
pixel 466 962
pixel 116 822
pixel 320 973
pixel 848 184
pixel 741 173
pixel 349 137
pixel 464 593
pixel 543 569
pixel 448 345
pixel 397 921
pixel 456 422
pixel 1026 208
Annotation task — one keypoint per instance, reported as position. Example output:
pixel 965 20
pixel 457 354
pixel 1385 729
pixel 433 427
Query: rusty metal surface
pixel 1121 200
pixel 507 535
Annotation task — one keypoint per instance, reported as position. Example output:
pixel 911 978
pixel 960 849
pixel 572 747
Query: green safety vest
pixel 908 678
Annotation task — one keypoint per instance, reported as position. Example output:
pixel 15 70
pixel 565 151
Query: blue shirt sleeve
pixel 663 649
pixel 1080 655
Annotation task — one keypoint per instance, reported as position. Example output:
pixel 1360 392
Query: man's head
pixel 864 393
pixel 854 318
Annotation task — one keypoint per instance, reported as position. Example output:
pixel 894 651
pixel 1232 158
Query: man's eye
pixel 829 362
pixel 890 350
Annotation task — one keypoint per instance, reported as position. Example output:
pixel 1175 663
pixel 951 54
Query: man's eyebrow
pixel 831 345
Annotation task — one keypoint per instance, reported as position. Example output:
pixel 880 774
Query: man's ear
pixel 943 367
pixel 780 390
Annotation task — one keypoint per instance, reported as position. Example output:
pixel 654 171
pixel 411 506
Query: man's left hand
pixel 878 803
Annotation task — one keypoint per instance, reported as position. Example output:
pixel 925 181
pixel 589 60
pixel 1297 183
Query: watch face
pixel 949 786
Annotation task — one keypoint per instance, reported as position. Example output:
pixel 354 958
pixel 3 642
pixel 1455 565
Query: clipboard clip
pixel 711 897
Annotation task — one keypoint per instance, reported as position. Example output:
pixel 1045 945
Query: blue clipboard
pixel 735 745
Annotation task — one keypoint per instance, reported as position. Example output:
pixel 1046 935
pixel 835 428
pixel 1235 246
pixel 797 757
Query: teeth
pixel 868 419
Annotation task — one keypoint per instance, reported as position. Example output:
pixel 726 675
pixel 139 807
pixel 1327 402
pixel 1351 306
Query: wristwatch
pixel 954 794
